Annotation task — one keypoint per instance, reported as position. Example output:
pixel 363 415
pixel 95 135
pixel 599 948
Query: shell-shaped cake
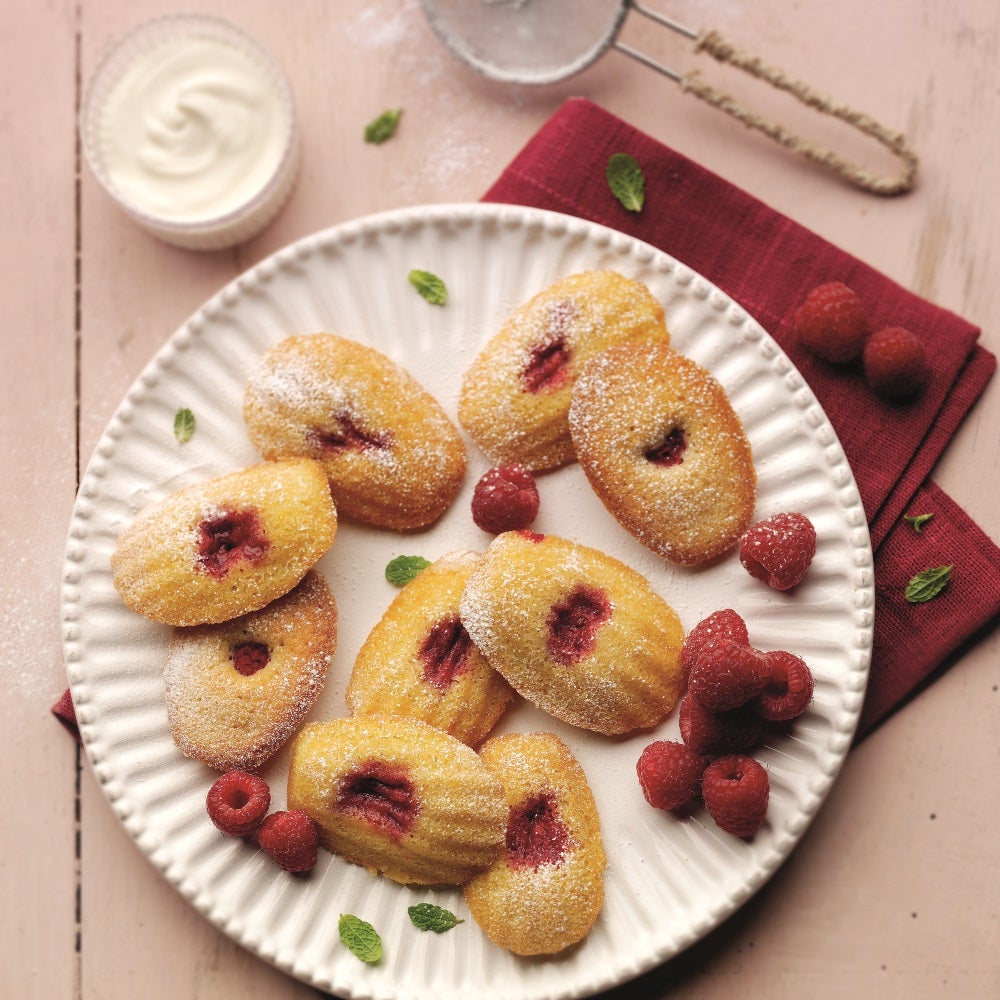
pixel 515 396
pixel 237 690
pixel 419 660
pixel 575 631
pixel 664 450
pixel 222 548
pixel 545 890
pixel 392 456
pixel 398 797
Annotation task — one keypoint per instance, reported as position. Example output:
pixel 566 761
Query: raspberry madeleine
pixel 664 450
pixel 515 396
pixel 220 549
pixel 575 631
pixel 398 797
pixel 545 889
pixel 237 690
pixel 391 454
pixel 419 661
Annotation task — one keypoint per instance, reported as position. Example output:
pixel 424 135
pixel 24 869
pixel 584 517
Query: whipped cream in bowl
pixel 189 125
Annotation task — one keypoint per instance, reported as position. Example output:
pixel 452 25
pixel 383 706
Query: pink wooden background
pixel 893 890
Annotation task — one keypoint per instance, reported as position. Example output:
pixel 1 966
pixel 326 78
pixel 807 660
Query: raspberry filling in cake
pixel 547 363
pixel 381 794
pixel 229 538
pixel 531 536
pixel 445 652
pixel 573 624
pixel 249 657
pixel 347 435
pixel 536 835
pixel 670 451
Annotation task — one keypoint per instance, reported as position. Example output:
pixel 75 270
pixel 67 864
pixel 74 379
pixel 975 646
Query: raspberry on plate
pixel 505 499
pixel 737 731
pixel 735 790
pixel 727 674
pixel 291 839
pixel 238 802
pixel 789 687
pixel 670 774
pixel 831 323
pixel 725 622
pixel 779 549
pixel 895 363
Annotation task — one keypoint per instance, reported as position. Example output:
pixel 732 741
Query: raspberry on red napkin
pixel 769 264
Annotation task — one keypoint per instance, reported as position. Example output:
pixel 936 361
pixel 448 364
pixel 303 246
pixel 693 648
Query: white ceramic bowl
pixel 273 170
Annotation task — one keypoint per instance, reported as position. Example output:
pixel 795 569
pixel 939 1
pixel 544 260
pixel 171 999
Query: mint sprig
pixel 627 181
pixel 360 937
pixel 428 917
pixel 917 521
pixel 381 128
pixel 430 286
pixel 183 425
pixel 401 570
pixel 928 583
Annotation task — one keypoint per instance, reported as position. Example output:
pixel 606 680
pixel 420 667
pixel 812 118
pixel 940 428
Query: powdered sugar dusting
pixel 516 394
pixel 629 679
pixel 232 721
pixel 456 804
pixel 627 403
pixel 391 454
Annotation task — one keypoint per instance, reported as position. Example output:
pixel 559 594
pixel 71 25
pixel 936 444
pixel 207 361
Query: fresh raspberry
pixel 737 731
pixel 291 839
pixel 735 790
pixel 727 674
pixel 789 687
pixel 238 802
pixel 726 623
pixel 831 322
pixel 670 774
pixel 895 363
pixel 505 499
pixel 779 549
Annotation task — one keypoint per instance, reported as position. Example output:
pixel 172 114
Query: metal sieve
pixel 545 41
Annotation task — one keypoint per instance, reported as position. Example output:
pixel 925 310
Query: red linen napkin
pixel 64 711
pixel 768 263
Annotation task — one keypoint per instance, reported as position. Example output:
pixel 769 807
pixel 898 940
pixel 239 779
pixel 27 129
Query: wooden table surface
pixel 892 892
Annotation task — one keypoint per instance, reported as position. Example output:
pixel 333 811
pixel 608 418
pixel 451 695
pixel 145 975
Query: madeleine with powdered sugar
pixel 545 890
pixel 516 393
pixel 236 691
pixel 419 660
pixel 222 548
pixel 575 631
pixel 664 450
pixel 392 456
pixel 399 797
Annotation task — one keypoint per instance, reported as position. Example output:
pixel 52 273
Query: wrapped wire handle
pixel 719 48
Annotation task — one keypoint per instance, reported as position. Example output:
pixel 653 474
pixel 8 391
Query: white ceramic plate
pixel 668 881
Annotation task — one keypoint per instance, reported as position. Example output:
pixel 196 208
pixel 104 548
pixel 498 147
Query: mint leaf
pixel 627 181
pixel 928 583
pixel 360 937
pixel 428 917
pixel 183 425
pixel 430 286
pixel 917 520
pixel 403 569
pixel 381 128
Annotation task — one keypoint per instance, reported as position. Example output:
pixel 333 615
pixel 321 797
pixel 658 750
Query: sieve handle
pixel 719 48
